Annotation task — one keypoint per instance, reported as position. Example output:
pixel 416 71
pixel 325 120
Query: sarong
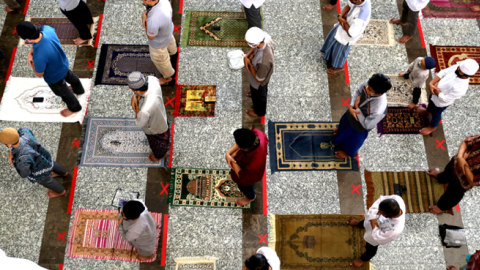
pixel 160 143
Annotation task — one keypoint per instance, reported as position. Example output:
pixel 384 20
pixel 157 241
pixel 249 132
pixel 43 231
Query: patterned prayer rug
pixel 203 187
pixel 402 120
pixel 305 147
pixel 94 235
pixel 419 190
pixel 64 29
pixel 451 9
pixel 316 242
pixel 447 56
pixel 190 100
pixel 116 142
pixel 31 100
pixel 214 29
pixel 402 92
pixel 377 33
pixel 196 263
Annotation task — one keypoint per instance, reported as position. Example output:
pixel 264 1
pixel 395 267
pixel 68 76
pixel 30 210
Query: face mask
pixel 148 7
pixel 252 46
pixel 457 72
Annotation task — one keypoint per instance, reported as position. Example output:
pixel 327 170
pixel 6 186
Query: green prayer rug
pixel 204 188
pixel 214 29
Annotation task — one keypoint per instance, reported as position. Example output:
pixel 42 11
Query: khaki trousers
pixel 161 58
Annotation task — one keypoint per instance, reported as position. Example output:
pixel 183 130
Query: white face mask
pixel 252 46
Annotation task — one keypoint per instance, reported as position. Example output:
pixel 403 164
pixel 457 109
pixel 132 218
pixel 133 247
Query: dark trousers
pixel 417 91
pixel 51 183
pixel 248 191
pixel 80 17
pixel 371 251
pixel 254 16
pixel 61 89
pixel 13 4
pixel 411 18
pixel 454 193
pixel 333 2
pixel 435 111
pixel 259 99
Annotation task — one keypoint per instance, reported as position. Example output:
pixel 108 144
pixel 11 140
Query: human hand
pixel 247 62
pixel 10 158
pixel 462 164
pixel 230 160
pixel 357 102
pixel 401 74
pixel 341 19
pixel 134 103
pixel 30 60
pixel 144 19
pixel 374 223
pixel 354 112
pixel 433 88
pixel 451 267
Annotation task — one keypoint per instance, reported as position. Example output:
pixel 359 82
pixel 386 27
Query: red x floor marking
pixel 76 143
pixel 90 64
pixel 457 207
pixel 346 102
pixel 177 28
pixel 355 189
pixel 61 236
pixel 15 30
pixel 262 238
pixel 440 144
pixel 358 159
pixel 165 189
pixel 170 101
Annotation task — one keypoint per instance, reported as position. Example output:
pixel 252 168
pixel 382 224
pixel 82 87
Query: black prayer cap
pixel 28 30
pixel 244 137
pixel 380 83
pixel 257 262
pixel 133 209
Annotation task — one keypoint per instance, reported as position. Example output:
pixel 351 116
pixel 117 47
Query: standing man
pixel 79 14
pixel 150 113
pixel 12 5
pixel 417 73
pixel 449 84
pixel 247 158
pixel 264 258
pixel 409 18
pixel 157 21
pixel 252 12
pixel 259 64
pixel 383 223
pixel 32 160
pixel 48 59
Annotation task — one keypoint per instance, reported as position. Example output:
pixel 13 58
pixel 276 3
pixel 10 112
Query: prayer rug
pixel 31 100
pixel 451 9
pixel 402 92
pixel 117 61
pixel 447 56
pixel 305 147
pixel 94 235
pixel 203 187
pixel 190 100
pixel 65 30
pixel 116 142
pixel 377 33
pixel 313 242
pixel 214 29
pixel 196 263
pixel 402 120
pixel 417 188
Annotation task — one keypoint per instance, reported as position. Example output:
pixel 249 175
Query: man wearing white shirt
pixel 383 223
pixel 252 12
pixel 264 259
pixel 449 84
pixel 409 18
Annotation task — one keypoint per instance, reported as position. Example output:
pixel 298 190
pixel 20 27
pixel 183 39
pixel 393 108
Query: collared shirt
pixel 388 229
pixel 451 86
pixel 152 116
pixel 473 161
pixel 263 63
pixel 68 5
pixel 160 25
pixel 271 256
pixel 49 57
pixel 418 76
pixel 417 5
pixel 141 233
pixel 357 25
pixel 249 3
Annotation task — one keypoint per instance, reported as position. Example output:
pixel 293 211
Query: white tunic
pixel 451 86
pixel 9 263
pixel 357 26
pixel 255 3
pixel 152 116
pixel 271 256
pixel 417 5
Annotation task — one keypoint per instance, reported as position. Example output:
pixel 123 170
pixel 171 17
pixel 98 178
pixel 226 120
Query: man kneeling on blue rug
pixel 367 108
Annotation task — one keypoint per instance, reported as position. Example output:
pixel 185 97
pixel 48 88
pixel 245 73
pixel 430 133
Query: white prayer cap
pixel 255 35
pixel 469 67
pixel 136 80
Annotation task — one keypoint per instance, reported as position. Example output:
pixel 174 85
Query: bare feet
pixel 165 81
pixel 79 41
pixel 420 109
pixel 396 21
pixel 335 131
pixel 53 194
pixel 435 210
pixel 404 39
pixel 251 113
pixel 66 113
pixel 475 8
pixel 412 105
pixel 341 154
pixel 243 201
pixel 356 264
pixel 249 94
pixel 335 71
pixel 353 222
pixel 426 131
pixel 401 74
pixel 57 175
pixel 8 10
pixel 433 172
pixel 154 159
pixel 328 7
pixel 145 258
pixel 451 267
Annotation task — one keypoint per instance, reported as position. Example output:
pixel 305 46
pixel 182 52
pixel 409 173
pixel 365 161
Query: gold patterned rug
pixel 377 33
pixel 402 91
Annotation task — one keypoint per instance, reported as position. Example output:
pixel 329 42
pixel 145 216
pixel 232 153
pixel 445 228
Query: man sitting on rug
pixel 418 72
pixel 368 107
pixel 461 174
pixel 80 16
pixel 150 113
pixel 449 84
pixel 252 12
pixel 32 160
pixel 247 158
pixel 138 228
pixel 385 223
pixel 264 259
pixel 350 27
pixel 411 8
pixel 48 59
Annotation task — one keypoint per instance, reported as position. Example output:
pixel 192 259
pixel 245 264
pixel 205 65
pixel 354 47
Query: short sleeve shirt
pixel 160 25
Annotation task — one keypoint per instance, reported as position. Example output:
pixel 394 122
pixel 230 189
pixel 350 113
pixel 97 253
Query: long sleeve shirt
pixel 388 229
pixel 152 116
pixel 473 161
pixel 271 256
pixel 451 86
pixel 358 19
pixel 140 233
pixel 418 76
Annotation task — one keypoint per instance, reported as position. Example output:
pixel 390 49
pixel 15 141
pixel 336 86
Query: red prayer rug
pixel 450 9
pixel 190 100
pixel 402 120
pixel 94 235
pixel 446 56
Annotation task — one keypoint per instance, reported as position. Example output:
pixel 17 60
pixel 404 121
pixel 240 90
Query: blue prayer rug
pixel 305 147
pixel 116 142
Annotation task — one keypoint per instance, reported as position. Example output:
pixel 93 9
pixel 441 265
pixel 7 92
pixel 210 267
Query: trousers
pixel 371 250
pixel 254 16
pixel 80 17
pixel 411 18
pixel 259 99
pixel 161 58
pixel 248 191
pixel 51 183
pixel 435 111
pixel 61 89
pixel 13 4
pixel 454 193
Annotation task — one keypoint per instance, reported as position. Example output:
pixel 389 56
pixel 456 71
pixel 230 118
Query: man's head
pixel 137 82
pixel 378 84
pixel 256 262
pixel 132 210
pixel 28 31
pixel 467 69
pixel 389 208
pixel 254 37
pixel 357 2
pixel 245 138
pixel 150 3
pixel 9 137
pixel 428 62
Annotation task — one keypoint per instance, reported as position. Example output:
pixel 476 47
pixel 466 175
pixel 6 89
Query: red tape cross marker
pixel 171 147
pixel 170 101
pixel 439 144
pixel 97 38
pixel 165 189
pixel 11 64
pixel 76 143
pixel 72 190
pixel 441 121
pixel 90 64
pixel 355 189
pixel 61 236
pixel 264 184
pixel 345 102
pixel 262 238
pixel 262 120
pixel 457 207
pixel 180 8
pixel 358 159
pixel 26 7
pixel 177 28
pixel 347 78
pixel 14 30
pixel 164 239
pixel 60 267
pixel 420 32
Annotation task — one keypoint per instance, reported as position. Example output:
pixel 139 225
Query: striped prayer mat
pixel 422 190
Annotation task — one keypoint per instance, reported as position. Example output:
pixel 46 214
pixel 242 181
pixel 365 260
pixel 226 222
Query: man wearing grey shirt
pixel 417 73
pixel 80 16
pixel 150 113
pixel 157 21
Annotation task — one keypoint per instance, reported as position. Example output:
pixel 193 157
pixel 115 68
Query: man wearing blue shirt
pixel 48 59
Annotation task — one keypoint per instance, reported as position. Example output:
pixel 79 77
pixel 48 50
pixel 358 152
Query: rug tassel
pixel 205 259
pixel 272 238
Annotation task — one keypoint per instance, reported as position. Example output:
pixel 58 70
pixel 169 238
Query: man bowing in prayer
pixel 150 113
pixel 350 27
